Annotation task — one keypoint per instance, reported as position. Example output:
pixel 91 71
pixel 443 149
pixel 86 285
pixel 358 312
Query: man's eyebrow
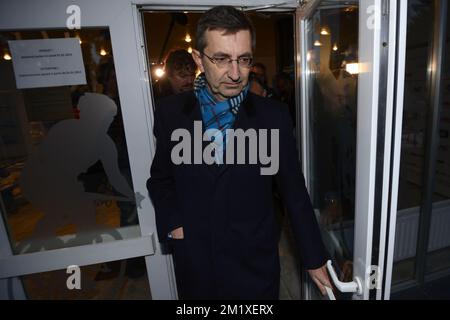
pixel 223 54
pixel 246 54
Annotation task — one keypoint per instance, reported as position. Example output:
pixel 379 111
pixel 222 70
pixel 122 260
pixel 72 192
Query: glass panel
pixel 332 40
pixel 414 145
pixel 123 279
pixel 65 177
pixel 414 138
pixel 438 258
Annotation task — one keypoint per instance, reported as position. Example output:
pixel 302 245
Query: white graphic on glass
pixel 50 178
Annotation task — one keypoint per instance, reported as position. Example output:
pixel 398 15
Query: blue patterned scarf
pixel 217 115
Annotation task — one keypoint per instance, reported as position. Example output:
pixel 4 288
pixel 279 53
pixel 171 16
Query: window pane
pixel 64 169
pixel 413 151
pixel 438 257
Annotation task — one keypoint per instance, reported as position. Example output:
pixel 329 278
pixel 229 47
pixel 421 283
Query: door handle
pixel 355 286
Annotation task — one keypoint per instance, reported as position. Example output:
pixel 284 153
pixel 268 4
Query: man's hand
pixel 320 278
pixel 177 233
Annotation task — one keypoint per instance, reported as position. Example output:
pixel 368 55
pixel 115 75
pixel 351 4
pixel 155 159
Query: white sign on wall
pixel 47 62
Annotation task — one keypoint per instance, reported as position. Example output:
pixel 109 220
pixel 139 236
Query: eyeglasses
pixel 224 62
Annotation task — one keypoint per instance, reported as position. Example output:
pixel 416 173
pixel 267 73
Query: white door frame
pixel 123 20
pixel 137 117
pixel 180 5
pixel 398 17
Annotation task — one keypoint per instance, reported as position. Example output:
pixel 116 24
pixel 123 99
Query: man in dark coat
pixel 218 215
pixel 179 68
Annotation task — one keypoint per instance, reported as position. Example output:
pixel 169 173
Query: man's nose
pixel 234 73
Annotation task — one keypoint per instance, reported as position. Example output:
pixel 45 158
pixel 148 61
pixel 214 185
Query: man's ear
pixel 198 59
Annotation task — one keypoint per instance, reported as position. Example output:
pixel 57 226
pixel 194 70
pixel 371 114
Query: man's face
pixel 182 80
pixel 228 81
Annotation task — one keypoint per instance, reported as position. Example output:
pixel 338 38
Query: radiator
pixel 407 229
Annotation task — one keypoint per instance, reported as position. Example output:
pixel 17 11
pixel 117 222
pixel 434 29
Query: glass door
pixel 75 140
pixel 330 96
pixel 419 248
pixel 343 72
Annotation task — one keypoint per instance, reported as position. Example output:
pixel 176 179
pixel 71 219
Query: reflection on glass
pixel 438 257
pixel 332 103
pixel 64 172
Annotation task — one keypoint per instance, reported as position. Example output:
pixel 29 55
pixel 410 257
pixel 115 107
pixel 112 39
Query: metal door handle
pixel 354 286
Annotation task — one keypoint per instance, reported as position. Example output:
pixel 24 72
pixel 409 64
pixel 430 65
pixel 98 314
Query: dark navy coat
pixel 230 245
